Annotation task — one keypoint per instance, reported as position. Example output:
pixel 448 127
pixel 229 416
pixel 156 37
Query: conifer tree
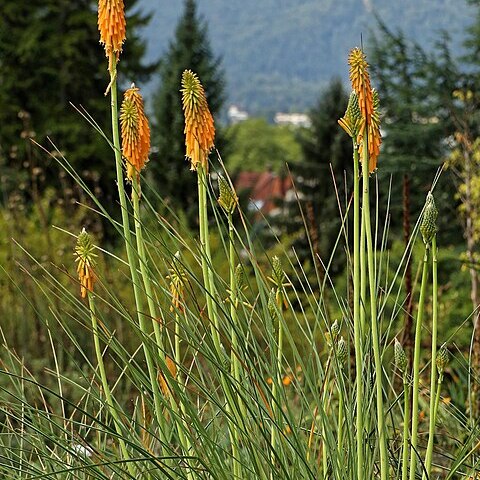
pixel 415 127
pixel 189 49
pixel 49 57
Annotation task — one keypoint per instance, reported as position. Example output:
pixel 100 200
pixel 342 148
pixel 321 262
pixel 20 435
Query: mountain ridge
pixel 277 54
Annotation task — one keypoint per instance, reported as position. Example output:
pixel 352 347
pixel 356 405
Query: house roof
pixel 265 188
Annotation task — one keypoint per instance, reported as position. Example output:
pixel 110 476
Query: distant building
pixel 266 190
pixel 235 115
pixel 295 119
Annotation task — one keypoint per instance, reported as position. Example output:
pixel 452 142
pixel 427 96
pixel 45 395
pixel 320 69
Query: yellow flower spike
pixel 135 131
pixel 86 262
pixel 360 79
pixel 368 103
pixel 112 25
pixel 199 125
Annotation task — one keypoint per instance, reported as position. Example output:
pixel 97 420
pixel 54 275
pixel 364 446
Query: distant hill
pixel 277 54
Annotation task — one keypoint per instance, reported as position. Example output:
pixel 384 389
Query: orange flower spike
pixel 112 25
pixel 135 131
pixel 368 103
pixel 199 125
pixel 360 79
pixel 85 259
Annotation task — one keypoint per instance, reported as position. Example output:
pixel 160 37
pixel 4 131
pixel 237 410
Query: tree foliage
pixel 412 85
pixel 320 176
pixel 49 58
pixel 190 49
pixel 256 145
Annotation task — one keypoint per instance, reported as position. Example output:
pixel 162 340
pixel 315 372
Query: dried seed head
pixel 428 227
pixel 227 199
pixel 342 350
pixel 85 258
pixel 199 126
pixel 135 131
pixel 112 25
pixel 400 357
pixel 442 359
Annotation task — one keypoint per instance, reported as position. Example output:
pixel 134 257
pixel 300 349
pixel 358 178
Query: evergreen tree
pixel 50 56
pixel 415 122
pixel 325 149
pixel 190 49
pixel 415 125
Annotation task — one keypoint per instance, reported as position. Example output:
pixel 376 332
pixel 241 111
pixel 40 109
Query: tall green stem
pixel 373 314
pixel 154 315
pixel 416 365
pixel 406 424
pixel 208 279
pixel 433 363
pixel 132 261
pixel 152 306
pixel 275 388
pixel 106 388
pixel 235 364
pixel 357 307
pixel 340 426
pixel 207 259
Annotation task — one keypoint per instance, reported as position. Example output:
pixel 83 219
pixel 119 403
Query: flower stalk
pixel 228 202
pixel 111 22
pixel 350 123
pixel 85 258
pixel 433 363
pixel 401 363
pixel 425 229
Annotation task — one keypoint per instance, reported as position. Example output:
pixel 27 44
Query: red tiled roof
pixel 264 187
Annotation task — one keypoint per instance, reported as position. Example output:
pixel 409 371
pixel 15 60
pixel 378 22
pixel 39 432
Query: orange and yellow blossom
pixel 199 125
pixel 135 131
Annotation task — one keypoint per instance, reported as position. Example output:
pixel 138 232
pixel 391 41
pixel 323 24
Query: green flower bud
pixel 335 329
pixel 240 277
pixel 227 199
pixel 428 227
pixel 342 350
pixel 278 274
pixel 442 359
pixel 399 356
pixel 353 116
pixel 353 109
pixel 272 304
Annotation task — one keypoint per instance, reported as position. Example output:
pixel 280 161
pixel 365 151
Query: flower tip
pixel 199 124
pixel 135 131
